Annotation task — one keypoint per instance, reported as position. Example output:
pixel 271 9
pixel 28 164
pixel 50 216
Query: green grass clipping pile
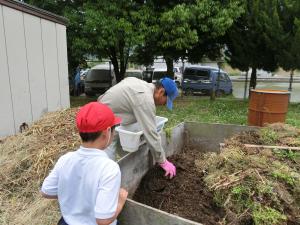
pixel 258 186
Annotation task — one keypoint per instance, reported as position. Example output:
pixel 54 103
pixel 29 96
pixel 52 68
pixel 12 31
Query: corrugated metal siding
pixel 35 62
pixel 62 61
pixel 7 125
pixel 33 68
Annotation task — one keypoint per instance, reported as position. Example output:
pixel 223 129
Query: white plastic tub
pixel 160 123
pixel 132 136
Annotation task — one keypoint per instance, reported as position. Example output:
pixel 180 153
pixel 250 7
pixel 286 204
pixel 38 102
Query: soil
pixel 185 195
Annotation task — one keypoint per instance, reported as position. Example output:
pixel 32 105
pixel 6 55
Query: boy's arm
pixel 49 186
pixel 110 199
pixel 122 199
pixel 48 196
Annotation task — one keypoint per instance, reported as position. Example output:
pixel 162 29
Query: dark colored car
pixel 204 80
pixel 134 73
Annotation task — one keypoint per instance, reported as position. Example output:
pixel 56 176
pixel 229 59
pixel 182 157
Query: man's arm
pixel 145 116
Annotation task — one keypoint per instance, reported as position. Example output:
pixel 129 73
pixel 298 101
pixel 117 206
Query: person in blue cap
pixel 135 100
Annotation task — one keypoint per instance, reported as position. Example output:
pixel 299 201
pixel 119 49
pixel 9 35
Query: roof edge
pixel 26 8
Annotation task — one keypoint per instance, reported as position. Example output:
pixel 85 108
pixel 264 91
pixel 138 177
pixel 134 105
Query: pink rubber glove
pixel 169 168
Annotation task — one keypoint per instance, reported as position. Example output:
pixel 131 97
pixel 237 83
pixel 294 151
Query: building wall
pixel 33 68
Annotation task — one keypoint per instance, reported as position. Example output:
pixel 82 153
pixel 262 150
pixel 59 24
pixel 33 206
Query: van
pixel 134 73
pixel 202 79
pixel 99 79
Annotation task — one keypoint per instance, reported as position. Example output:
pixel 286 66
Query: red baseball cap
pixel 94 117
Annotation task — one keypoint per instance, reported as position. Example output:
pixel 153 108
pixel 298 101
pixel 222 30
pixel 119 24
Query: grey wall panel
pixel 63 65
pixel 17 63
pixel 51 65
pixel 6 109
pixel 208 137
pixel 34 47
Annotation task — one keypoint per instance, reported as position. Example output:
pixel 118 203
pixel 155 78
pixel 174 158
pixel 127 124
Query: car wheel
pixel 188 92
pixel 219 93
pixel 89 94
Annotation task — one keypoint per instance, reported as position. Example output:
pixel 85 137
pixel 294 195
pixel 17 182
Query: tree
pixel 289 56
pixel 187 28
pixel 72 10
pixel 106 29
pixel 113 29
pixel 254 39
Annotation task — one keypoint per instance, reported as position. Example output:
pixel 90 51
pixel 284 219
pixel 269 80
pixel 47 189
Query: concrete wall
pixel 206 137
pixel 33 68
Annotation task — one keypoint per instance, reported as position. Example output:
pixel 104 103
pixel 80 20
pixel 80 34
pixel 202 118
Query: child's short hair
pixel 89 137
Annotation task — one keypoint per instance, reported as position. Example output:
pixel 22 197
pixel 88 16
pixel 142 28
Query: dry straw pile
pixel 26 159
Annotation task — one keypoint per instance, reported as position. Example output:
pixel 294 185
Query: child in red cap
pixel 86 182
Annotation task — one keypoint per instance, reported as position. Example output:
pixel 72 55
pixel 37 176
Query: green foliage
pixel 72 10
pixel 268 136
pixel 289 57
pixel 287 154
pixel 113 29
pixel 287 178
pixel 241 197
pixel 254 39
pixel 264 188
pixel 185 28
pixel 264 215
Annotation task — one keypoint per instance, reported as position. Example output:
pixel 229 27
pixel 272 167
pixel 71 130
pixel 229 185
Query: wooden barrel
pixel 267 106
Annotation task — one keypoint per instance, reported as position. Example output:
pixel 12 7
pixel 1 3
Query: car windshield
pixel 134 74
pixel 160 74
pixel 99 75
pixel 196 74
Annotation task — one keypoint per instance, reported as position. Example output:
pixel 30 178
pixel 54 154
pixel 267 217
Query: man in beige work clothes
pixel 135 100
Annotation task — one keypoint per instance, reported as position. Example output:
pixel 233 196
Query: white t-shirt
pixel 87 184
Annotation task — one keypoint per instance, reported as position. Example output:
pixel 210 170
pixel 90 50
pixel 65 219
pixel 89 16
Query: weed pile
pixel 273 134
pixel 256 185
pixel 25 161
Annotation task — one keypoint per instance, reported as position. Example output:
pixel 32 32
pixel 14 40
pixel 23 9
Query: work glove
pixel 169 168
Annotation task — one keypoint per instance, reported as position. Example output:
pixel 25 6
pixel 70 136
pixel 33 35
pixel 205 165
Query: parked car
pixel 134 73
pixel 83 74
pixel 99 79
pixel 204 79
pixel 159 73
pixel 147 74
pixel 177 75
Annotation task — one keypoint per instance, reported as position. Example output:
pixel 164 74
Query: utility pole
pixel 291 83
pixel 246 85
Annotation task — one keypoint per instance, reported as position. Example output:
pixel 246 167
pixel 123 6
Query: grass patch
pixel 224 110
pixel 81 100
pixel 201 109
pixel 267 215
pixel 268 136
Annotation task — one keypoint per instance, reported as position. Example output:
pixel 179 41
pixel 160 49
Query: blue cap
pixel 171 90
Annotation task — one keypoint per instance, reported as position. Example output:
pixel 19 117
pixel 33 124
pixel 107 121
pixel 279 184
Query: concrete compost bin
pixel 134 166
